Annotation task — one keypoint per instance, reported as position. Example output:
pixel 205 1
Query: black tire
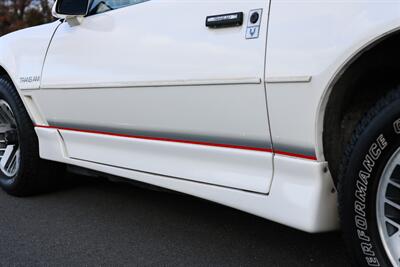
pixel 33 175
pixel 375 140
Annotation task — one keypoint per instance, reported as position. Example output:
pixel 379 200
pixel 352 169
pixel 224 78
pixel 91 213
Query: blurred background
pixel 19 14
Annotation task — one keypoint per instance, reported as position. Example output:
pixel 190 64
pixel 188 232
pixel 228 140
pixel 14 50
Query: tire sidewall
pixel 27 138
pixel 358 191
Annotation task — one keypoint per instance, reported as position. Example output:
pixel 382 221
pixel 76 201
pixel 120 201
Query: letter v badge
pixel 254 24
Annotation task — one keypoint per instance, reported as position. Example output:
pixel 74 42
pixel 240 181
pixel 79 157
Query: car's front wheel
pixel 22 172
pixel 369 187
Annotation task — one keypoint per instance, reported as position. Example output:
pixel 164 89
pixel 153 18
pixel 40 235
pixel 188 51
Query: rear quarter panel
pixel 309 43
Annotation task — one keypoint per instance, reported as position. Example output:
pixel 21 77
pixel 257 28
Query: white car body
pixel 148 92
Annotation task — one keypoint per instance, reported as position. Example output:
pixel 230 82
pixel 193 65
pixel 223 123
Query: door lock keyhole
pixel 254 17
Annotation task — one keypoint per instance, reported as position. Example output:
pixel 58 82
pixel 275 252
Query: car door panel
pixel 149 87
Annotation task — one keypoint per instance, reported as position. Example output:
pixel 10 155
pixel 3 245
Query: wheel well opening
pixel 371 76
pixel 4 74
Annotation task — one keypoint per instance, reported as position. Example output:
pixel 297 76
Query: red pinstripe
pixel 183 142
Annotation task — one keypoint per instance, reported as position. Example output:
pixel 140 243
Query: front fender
pixel 22 54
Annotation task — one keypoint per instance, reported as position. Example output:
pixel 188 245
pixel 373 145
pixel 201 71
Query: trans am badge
pixel 30 79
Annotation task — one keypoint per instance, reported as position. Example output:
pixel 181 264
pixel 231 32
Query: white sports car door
pixel 148 86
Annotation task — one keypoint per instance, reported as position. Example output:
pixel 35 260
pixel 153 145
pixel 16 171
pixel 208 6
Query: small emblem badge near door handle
pixel 225 20
pixel 254 24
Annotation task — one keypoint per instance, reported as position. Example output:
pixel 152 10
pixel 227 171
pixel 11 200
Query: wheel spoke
pixel 393 204
pixel 395 175
pixel 388 208
pixel 6 156
pixel 393 223
pixel 9 148
pixel 9 157
pixel 392 213
pixel 395 184
pixel 391 228
pixel 11 163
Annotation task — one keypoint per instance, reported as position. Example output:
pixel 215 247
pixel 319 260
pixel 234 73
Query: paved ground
pixel 101 223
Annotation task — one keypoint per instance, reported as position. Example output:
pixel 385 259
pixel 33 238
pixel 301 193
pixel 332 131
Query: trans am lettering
pixel 30 79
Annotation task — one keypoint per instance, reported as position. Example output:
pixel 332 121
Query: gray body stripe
pixel 167 135
pixel 189 137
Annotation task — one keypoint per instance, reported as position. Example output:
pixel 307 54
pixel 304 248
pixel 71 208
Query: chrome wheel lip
pixel 10 156
pixel 391 244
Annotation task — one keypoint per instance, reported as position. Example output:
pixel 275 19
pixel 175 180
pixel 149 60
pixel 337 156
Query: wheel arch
pixel 4 74
pixel 338 116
